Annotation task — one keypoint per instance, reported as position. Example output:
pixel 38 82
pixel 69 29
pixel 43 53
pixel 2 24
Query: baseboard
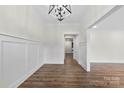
pixel 98 61
pixel 83 66
pixel 57 62
pixel 21 80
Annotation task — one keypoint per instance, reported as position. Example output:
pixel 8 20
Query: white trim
pixel 88 49
pixel 83 66
pixel 99 61
pixel 55 62
pixel 23 42
pixel 1 71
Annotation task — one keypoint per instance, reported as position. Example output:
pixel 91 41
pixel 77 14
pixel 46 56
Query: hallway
pixel 69 59
pixel 72 75
pixel 33 43
pixel 57 75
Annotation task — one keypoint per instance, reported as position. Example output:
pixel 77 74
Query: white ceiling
pixel 113 22
pixel 75 18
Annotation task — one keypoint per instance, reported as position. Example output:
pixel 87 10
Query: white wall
pixel 76 48
pixel 54 41
pixel 19 58
pixel 21 21
pixel 21 51
pixel 83 50
pixel 106 42
pixel 91 14
pixel 107 46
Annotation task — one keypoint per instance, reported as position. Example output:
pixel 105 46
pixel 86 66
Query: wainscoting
pixel 83 55
pixel 19 58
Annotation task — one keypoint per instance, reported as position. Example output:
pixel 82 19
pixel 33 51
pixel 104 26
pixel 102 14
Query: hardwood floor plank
pixel 72 75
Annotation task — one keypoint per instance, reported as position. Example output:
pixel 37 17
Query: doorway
pixel 68 46
pixel 71 48
pixel 68 50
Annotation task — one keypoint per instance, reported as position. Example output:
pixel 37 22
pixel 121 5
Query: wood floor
pixel 72 75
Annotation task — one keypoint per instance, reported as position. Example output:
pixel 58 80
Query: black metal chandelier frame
pixel 60 11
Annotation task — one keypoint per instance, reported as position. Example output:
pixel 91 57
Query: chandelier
pixel 60 11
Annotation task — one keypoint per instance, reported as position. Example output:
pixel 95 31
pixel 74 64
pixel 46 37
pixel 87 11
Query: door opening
pixel 70 48
pixel 69 44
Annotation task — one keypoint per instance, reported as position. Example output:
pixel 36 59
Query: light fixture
pixel 95 26
pixel 60 11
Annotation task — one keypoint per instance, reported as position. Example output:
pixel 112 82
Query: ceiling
pixel 75 18
pixel 113 22
pixel 82 15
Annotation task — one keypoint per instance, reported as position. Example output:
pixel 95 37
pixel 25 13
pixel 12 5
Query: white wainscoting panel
pixel 19 58
pixel 13 58
pixel 83 55
pixel 32 56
